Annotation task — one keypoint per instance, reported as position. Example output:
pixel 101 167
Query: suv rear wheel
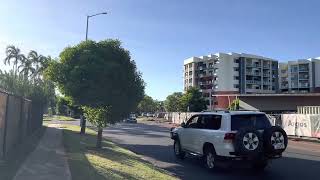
pixel 248 142
pixel 210 158
pixel 276 140
pixel 178 152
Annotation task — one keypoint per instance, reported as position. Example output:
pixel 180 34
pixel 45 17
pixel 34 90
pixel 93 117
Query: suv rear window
pixel 258 121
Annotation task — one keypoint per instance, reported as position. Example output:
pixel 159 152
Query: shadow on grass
pixel 15 158
pixel 110 162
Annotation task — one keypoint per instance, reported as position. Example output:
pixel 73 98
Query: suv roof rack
pixel 217 110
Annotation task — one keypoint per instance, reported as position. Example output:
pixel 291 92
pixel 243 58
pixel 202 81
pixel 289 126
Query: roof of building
pixel 255 95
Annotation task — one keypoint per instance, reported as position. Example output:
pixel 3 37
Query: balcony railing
pixel 257 65
pixel 304 85
pixel 249 72
pixel 266 66
pixel 266 83
pixel 253 82
pixel 266 75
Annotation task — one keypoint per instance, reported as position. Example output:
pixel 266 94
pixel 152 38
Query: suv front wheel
pixel 178 152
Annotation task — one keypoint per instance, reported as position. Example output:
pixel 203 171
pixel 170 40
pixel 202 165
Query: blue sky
pixel 160 34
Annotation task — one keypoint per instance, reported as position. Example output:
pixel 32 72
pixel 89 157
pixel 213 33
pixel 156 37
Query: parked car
pixel 132 119
pixel 236 135
pixel 150 115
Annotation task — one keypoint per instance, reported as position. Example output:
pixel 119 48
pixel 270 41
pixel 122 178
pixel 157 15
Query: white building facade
pixel 231 73
pixel 300 76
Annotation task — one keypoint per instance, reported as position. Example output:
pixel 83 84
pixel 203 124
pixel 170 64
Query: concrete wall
pixel 178 117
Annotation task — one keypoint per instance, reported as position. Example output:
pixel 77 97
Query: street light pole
pixel 83 120
pixel 87 28
pixel 89 16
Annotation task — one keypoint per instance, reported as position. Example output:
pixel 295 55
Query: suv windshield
pixel 258 121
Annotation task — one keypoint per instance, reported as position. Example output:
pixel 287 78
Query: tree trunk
pixel 99 138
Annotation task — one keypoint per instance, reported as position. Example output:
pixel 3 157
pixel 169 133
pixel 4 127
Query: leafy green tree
pixel 147 104
pixel 159 106
pixel 193 101
pixel 173 102
pixel 101 78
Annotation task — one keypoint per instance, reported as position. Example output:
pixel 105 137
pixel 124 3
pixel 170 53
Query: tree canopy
pixel 191 100
pixel 173 102
pixel 99 75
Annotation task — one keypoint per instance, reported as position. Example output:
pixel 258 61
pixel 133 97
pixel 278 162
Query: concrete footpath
pixel 48 161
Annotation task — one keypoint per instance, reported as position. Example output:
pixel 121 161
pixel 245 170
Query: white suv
pixel 234 135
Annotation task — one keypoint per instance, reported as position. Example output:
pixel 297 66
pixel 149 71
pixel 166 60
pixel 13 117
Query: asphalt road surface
pixel 151 140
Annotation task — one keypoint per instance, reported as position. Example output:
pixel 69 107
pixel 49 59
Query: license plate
pixel 279 146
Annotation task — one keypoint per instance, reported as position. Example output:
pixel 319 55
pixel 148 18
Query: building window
pixel 190 73
pixel 236 85
pixel 190 66
pixel 190 80
pixel 210 65
pixel 236 69
pixel 216 103
pixel 236 77
pixel 236 60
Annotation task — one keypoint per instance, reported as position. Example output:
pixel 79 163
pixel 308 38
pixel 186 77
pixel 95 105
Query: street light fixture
pixel 89 16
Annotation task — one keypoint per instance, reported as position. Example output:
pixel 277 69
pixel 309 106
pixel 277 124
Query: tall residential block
pixel 300 76
pixel 231 73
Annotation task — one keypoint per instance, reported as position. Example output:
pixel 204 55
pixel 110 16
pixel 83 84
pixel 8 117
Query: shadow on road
pixel 192 167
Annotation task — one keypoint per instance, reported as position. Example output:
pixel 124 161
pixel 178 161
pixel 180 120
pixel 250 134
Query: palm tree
pixel 38 60
pixel 41 63
pixel 14 54
pixel 26 67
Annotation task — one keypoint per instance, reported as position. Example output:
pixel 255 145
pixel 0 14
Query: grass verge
pixel 110 162
pixel 17 156
pixel 58 118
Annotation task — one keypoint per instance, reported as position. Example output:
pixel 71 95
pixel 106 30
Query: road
pixel 151 140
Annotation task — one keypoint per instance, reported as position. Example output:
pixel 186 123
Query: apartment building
pixel 300 76
pixel 231 73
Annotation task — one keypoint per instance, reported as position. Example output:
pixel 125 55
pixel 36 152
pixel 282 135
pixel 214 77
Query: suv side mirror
pixel 183 124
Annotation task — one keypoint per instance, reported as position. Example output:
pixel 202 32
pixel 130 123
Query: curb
pixel 313 140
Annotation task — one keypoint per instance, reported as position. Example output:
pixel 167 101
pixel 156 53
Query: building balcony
pixel 257 73
pixel 304 70
pixel 303 85
pixel 249 65
pixel 266 75
pixel 257 65
pixel 266 66
pixel 266 83
pixel 253 82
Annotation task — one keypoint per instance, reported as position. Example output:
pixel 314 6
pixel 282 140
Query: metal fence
pixel 19 117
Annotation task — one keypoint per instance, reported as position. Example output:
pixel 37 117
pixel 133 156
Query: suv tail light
pixel 229 137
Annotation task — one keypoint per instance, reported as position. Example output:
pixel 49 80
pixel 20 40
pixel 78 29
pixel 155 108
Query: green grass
pixel 110 162
pixel 58 118
pixel 17 156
